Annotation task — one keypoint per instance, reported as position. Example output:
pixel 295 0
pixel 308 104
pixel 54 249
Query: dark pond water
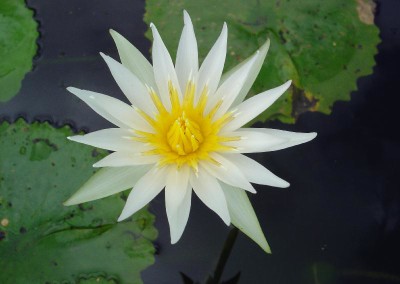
pixel 342 212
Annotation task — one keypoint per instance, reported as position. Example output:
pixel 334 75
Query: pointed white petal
pixel 253 106
pixel 134 60
pixel 292 138
pixel 243 215
pixel 175 191
pixel 114 110
pixel 254 140
pixel 212 66
pixel 130 85
pixel 208 189
pixel 252 75
pixel 121 159
pixel 144 191
pixel 176 184
pixel 107 181
pixel 182 216
pixel 187 62
pixel 255 172
pixel 164 71
pixel 227 172
pixel 228 91
pixel 266 139
pixel 113 139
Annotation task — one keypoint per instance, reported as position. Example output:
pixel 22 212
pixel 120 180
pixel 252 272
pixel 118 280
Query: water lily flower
pixel 183 130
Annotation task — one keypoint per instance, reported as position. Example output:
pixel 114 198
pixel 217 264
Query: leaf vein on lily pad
pixel 42 241
pixel 323 46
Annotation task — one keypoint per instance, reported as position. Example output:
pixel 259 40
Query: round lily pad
pixel 18 34
pixel 42 241
pixel 323 46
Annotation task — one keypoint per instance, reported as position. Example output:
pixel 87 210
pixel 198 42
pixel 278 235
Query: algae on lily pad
pixel 18 34
pixel 323 46
pixel 42 241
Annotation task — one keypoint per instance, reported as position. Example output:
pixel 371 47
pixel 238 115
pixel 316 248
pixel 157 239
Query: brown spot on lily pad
pixel 4 222
pixel 302 102
pixel 366 10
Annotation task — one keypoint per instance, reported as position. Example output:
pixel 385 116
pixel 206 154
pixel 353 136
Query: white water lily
pixel 183 130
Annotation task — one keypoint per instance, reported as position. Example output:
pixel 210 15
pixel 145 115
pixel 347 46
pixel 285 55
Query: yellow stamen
pixel 185 134
pixel 173 94
pixel 146 117
pixel 215 109
pixel 201 105
pixel 157 102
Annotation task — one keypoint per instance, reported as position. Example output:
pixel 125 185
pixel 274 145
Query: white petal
pixel 228 91
pixel 208 189
pixel 144 191
pixel 113 139
pixel 130 85
pixel 243 216
pixel 121 159
pixel 187 62
pixel 292 138
pixel 256 172
pixel 266 139
pixel 255 105
pixel 252 75
pixel 114 110
pixel 212 66
pixel 134 60
pixel 164 71
pixel 176 184
pixel 227 172
pixel 175 191
pixel 107 181
pixel 182 216
pixel 254 140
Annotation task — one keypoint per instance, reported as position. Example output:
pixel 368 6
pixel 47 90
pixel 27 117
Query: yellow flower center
pixel 184 136
pixel 187 133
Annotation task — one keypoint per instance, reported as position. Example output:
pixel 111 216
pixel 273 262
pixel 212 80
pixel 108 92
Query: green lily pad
pixel 42 241
pixel 323 46
pixel 18 34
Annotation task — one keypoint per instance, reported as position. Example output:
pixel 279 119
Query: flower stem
pixel 223 258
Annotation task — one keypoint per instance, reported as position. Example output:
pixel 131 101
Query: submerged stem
pixel 223 258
